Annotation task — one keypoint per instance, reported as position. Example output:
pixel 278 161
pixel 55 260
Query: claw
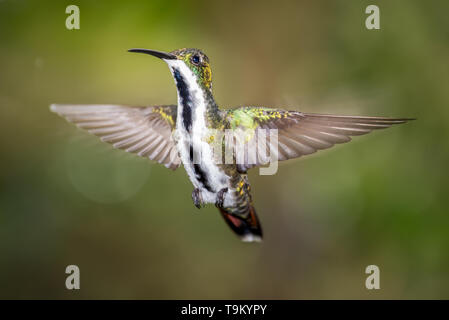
pixel 220 197
pixel 197 198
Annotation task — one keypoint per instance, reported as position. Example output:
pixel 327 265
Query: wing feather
pixel 146 131
pixel 298 133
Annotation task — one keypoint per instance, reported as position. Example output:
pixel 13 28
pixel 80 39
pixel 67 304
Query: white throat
pixel 190 95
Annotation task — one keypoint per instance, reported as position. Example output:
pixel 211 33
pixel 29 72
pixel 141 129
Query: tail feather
pixel 247 228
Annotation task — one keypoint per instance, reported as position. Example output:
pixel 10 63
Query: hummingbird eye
pixel 195 59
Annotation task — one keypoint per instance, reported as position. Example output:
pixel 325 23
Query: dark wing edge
pixel 145 131
pixel 305 133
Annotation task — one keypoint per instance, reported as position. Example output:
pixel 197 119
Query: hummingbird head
pixel 192 59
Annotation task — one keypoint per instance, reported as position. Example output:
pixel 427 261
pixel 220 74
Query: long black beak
pixel 159 54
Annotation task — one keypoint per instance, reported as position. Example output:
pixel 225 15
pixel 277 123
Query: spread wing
pixel 298 133
pixel 146 131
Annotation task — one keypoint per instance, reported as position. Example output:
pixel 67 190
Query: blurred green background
pixel 130 225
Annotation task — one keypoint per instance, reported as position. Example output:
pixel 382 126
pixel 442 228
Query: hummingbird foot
pixel 197 198
pixel 220 197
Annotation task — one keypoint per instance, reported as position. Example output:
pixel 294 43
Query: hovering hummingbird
pixel 175 134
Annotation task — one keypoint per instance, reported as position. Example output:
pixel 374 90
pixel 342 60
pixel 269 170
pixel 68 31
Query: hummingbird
pixel 196 127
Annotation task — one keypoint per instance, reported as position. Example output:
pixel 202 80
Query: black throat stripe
pixel 185 99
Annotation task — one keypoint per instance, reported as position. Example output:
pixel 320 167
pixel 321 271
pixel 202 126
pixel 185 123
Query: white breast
pixel 196 139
